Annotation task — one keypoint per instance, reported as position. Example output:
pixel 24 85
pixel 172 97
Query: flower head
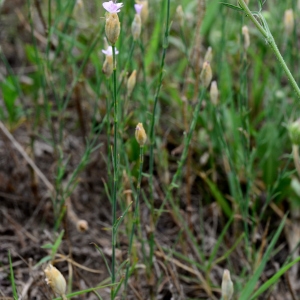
pixel 294 132
pixel 227 286
pixel 109 51
pixel 56 280
pixel 136 27
pixel 138 8
pixel 289 21
pixel 140 134
pixel 206 74
pixel 112 7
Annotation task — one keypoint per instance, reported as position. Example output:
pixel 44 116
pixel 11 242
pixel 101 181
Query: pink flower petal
pixel 112 7
pixel 109 51
pixel 138 8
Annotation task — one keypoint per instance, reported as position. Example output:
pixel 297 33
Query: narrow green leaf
pixel 232 6
pixel 43 260
pixel 47 246
pixel 88 290
pixel 104 258
pixel 250 286
pixel 12 278
pixel 274 278
pixel 57 244
pixel 218 243
pixel 120 219
pixel 218 195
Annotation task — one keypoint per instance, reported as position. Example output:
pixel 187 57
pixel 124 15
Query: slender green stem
pixel 268 36
pixel 136 220
pixel 152 140
pixel 48 32
pixel 115 172
pixel 42 79
pixel 127 65
pixel 244 117
pixel 252 18
pixel 144 102
pixel 177 175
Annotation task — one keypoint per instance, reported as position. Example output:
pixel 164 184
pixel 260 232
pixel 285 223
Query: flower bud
pixel 227 286
pixel 214 93
pixel 80 14
pixel 140 134
pixel 56 280
pixel 136 27
pixel 289 21
pixel 180 15
pixel 112 27
pixel 145 10
pixel 131 83
pixel 206 74
pixel 245 32
pixel 208 55
pixel 108 66
pixel 294 132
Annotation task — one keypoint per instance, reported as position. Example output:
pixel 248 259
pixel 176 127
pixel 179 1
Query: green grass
pixel 232 160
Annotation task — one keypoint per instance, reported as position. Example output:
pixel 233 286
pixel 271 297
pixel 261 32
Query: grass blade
pixel 12 278
pixel 250 286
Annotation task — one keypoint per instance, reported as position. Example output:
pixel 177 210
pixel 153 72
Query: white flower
pixel 109 51
pixel 112 7
pixel 138 8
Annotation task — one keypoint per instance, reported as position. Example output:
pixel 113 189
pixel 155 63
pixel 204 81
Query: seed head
pixel 140 134
pixel 289 21
pixel 214 93
pixel 108 66
pixel 56 280
pixel 245 32
pixel 131 83
pixel 294 132
pixel 206 74
pixel 112 27
pixel 136 27
pixel 180 14
pixel 227 286
pixel 208 55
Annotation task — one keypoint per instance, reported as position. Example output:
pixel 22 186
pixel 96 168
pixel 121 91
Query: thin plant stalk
pixel 264 30
pixel 127 65
pixel 144 102
pixel 115 171
pixel 136 220
pixel 178 173
pixel 152 125
pixel 244 116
